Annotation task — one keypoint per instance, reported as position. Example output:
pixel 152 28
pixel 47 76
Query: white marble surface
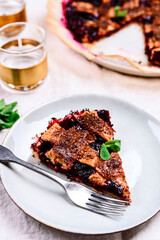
pixel 70 73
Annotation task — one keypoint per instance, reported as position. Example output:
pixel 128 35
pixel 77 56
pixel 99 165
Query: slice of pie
pixel 72 146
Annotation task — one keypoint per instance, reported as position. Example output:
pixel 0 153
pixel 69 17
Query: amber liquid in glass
pixel 12 11
pixel 23 70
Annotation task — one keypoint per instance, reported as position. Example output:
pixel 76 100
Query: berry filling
pixel 80 171
pixel 96 145
pixel 43 147
pixel 115 3
pixel 114 187
pixel 104 114
pixel 76 23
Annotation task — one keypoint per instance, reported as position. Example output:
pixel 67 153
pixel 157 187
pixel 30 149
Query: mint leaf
pixel 14 116
pixel 113 145
pixel 104 153
pixel 108 147
pixel 120 14
pixel 7 116
pixel 8 109
pixel 2 104
pixel 5 124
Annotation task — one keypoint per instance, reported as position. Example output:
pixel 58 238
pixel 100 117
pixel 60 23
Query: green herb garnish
pixel 108 147
pixel 7 116
pixel 120 14
pixel 104 153
pixel 113 145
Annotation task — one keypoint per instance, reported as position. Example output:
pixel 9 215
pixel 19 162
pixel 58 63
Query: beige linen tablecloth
pixel 70 73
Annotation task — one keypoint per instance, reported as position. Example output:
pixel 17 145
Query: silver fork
pixel 80 195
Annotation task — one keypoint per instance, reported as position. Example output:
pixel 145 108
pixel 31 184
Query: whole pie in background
pixel 91 21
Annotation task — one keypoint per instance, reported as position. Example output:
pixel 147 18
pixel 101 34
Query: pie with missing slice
pixel 81 23
pixel 90 20
pixel 72 146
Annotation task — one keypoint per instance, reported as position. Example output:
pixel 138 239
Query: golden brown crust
pixel 91 121
pixel 97 179
pixel 55 159
pixel 73 145
pixel 53 133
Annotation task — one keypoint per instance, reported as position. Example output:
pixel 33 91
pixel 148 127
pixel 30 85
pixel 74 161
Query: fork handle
pixel 12 158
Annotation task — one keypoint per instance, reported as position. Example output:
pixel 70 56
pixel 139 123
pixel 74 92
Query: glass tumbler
pixel 23 57
pixel 12 11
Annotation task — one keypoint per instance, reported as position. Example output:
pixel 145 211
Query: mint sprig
pixel 7 116
pixel 108 147
pixel 120 14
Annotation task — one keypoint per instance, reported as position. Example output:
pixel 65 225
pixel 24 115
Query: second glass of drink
pixel 23 57
pixel 12 11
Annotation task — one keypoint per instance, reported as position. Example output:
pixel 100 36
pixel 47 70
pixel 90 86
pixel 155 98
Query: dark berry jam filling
pixel 92 34
pixel 147 19
pixel 81 171
pixel 76 22
pixel 115 3
pixel 104 114
pixel 97 144
pixel 114 187
pixel 117 19
pixel 42 148
pixel 149 34
pixel 68 122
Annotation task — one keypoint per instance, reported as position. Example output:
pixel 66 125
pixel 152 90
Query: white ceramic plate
pixel 47 202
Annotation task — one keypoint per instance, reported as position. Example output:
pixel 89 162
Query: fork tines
pixel 104 204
